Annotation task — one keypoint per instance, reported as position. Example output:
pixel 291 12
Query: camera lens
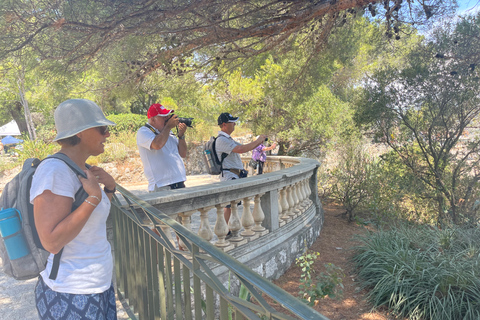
pixel 187 121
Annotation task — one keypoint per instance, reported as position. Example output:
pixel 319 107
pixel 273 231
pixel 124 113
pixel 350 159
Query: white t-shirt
pixel 225 143
pixel 161 167
pixel 86 263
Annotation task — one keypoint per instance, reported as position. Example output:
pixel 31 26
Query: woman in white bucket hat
pixel 80 285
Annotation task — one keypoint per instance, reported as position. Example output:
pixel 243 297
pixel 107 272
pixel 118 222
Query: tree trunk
pixel 441 211
pixel 16 111
pixel 26 110
pixel 281 148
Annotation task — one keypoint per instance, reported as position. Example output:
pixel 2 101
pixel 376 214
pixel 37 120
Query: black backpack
pixel 21 251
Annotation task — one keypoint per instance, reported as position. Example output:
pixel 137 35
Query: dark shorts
pixel 52 305
pixel 260 165
pixel 178 185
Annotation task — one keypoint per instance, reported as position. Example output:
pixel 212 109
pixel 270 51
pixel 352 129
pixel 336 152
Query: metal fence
pixel 158 281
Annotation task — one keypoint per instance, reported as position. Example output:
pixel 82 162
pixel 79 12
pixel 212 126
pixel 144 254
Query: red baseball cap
pixel 157 109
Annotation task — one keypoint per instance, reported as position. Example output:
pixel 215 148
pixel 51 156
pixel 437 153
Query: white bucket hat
pixel 76 115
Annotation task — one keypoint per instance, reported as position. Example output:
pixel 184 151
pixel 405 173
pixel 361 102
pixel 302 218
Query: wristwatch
pixel 182 137
pixel 108 190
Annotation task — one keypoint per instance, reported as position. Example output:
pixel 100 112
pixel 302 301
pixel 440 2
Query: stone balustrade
pixel 159 262
pixel 287 190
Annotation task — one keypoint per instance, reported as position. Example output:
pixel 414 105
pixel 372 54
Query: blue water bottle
pixel 11 232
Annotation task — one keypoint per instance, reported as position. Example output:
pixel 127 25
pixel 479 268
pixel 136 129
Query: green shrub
pixel 46 132
pixel 421 272
pixel 127 122
pixel 113 152
pixel 28 149
pixel 117 148
pixel 401 193
pixel 351 178
pixel 127 138
pixel 328 283
pixel 36 149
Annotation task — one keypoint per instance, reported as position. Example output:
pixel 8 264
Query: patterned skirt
pixel 53 305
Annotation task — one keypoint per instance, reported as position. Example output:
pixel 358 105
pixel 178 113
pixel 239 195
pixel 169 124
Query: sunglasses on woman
pixel 103 130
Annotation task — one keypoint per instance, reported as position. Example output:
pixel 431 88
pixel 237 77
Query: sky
pixel 468 6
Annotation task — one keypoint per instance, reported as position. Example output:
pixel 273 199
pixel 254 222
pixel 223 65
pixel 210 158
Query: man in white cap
pixel 232 164
pixel 161 151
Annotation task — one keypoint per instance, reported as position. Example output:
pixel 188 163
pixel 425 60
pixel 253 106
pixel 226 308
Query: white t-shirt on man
pixel 225 143
pixel 161 167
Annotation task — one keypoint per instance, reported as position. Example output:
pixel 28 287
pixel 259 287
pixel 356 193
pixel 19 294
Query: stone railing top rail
pixel 220 193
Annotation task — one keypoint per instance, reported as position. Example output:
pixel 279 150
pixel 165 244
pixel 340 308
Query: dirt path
pixel 334 245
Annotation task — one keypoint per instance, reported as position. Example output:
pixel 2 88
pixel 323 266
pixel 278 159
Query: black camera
pixel 187 121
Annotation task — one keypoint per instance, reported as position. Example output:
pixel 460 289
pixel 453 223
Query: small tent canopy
pixel 10 129
pixel 11 140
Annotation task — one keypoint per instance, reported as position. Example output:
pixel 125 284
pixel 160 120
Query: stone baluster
pixel 291 203
pixel 298 195
pixel 280 202
pixel 186 220
pixel 280 221
pixel 247 218
pixel 205 231
pixel 221 227
pixel 304 194
pixel 309 191
pixel 276 166
pixel 268 167
pixel 296 201
pixel 234 223
pixel 284 202
pixel 258 215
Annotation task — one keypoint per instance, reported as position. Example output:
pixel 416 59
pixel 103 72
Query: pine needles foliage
pixel 421 272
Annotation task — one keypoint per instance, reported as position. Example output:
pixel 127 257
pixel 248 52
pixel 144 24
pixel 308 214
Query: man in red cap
pixel 161 151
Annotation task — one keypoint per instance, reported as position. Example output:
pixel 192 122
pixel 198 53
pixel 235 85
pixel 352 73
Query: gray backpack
pixel 210 157
pixel 21 251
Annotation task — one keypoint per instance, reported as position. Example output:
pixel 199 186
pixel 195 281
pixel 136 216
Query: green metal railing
pixel 158 281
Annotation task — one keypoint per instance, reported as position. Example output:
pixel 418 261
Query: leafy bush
pixel 127 138
pixel 421 272
pixel 28 149
pixel 117 148
pixel 127 122
pixel 399 192
pixel 328 283
pixel 46 132
pixel 36 149
pixel 351 177
pixel 113 152
pixel 381 187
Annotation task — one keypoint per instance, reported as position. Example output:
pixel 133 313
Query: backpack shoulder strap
pixel 223 155
pixel 81 195
pixel 69 162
